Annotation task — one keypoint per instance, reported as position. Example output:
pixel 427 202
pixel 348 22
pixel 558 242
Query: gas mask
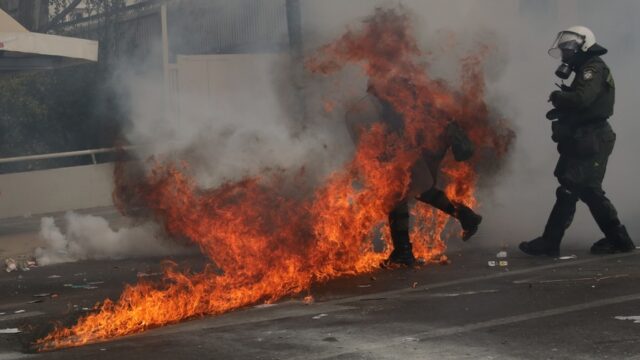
pixel 567 48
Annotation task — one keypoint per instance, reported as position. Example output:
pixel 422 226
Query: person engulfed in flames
pixel 372 108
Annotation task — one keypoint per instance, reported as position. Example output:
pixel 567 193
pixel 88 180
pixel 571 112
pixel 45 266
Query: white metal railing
pixel 91 152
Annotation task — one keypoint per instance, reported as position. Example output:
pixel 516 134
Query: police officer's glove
pixel 553 114
pixel 559 131
pixel 553 98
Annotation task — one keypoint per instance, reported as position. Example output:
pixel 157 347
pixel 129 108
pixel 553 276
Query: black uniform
pixel 585 141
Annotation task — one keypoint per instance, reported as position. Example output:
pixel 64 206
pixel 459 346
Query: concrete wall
pixel 48 191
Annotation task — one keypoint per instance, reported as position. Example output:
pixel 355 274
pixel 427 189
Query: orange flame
pixel 265 243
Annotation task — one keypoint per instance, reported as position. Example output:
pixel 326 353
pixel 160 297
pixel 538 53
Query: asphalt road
pixel 531 309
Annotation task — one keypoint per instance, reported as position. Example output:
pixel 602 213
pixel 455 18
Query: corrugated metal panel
pixel 216 27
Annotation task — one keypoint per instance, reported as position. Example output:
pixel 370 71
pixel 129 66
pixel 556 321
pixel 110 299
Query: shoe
pixel 539 247
pixel 400 258
pixel 469 220
pixel 618 240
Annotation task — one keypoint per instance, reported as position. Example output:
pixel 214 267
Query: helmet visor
pixel 566 43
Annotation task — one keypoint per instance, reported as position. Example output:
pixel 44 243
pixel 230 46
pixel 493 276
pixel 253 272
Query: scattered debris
pixel 373 278
pixel 83 286
pixel 142 274
pixel 410 339
pixel 10 331
pixel 635 319
pixel 53 296
pixel 492 263
pixel 414 285
pixel 261 306
pixel 103 349
pixel 54 277
pixel 501 255
pixel 11 265
pixel 364 286
pixel 320 316
pixel 570 257
pixel 444 260
pixel 42 295
pixel 95 283
pixel 504 263
pixel 465 293
pixel 308 300
pixel 37 301
pixel 20 311
pixel 2 313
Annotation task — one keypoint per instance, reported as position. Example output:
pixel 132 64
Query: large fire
pixel 265 243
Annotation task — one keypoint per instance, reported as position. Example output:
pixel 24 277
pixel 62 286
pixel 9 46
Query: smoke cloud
pixel 250 122
pixel 88 237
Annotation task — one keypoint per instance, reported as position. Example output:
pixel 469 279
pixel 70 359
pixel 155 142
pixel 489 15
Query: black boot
pixel 540 247
pixel 402 253
pixel 469 220
pixel 617 240
pixel 559 220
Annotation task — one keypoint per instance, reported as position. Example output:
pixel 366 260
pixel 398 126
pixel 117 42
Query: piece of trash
pixel 570 257
pixel 320 316
pixel 410 339
pixel 35 301
pixel 19 311
pixel 261 306
pixel 491 263
pixel 414 285
pixel 635 319
pixel 308 300
pixel 103 349
pixel 85 309
pixel 364 286
pixel 54 277
pixel 11 265
pixel 444 260
pixel 373 278
pixel 84 286
pixel 32 263
pixel 501 255
pixel 53 296
pixel 142 274
pixel 42 295
pixel 504 263
pixel 95 283
pixel 1 313
pixel 10 331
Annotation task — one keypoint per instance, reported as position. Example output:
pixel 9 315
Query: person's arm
pixel 589 84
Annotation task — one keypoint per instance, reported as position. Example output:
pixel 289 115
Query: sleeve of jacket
pixel 587 88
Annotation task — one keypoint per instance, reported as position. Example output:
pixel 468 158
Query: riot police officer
pixel 585 140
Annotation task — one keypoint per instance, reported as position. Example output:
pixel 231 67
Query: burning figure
pixel 371 108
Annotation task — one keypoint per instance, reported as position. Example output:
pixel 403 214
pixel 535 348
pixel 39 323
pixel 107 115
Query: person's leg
pixel 469 220
pixel 559 220
pixel 604 213
pixel 399 225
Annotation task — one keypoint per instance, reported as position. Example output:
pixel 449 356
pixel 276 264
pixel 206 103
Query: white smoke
pixel 88 237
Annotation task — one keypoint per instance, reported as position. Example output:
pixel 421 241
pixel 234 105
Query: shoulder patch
pixel 588 74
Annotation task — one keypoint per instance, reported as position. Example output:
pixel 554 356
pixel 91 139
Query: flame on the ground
pixel 267 244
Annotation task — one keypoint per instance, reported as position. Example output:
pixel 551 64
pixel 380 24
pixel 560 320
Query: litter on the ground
pixel 42 295
pixel 95 282
pixel 308 299
pixel 320 316
pixel 635 319
pixel 504 263
pixel 35 301
pixel 262 306
pixel 414 285
pixel 19 311
pixel 10 331
pixel 491 263
pixel 83 286
pixel 465 293
pixel 501 255
pixel 54 277
pixel 142 274
pixel 364 285
pixel 570 257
